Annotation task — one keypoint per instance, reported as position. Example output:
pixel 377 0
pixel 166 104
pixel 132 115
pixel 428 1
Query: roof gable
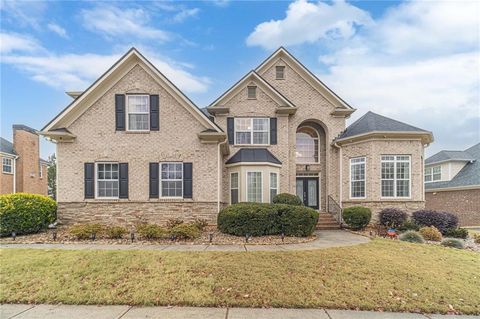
pixel 127 62
pixel 306 74
pixel 6 147
pixel 275 95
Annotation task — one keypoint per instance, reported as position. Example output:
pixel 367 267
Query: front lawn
pixel 383 274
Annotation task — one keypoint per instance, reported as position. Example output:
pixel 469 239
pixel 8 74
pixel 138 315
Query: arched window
pixel 307 145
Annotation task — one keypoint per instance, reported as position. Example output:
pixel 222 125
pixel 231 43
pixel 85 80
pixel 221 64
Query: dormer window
pixel 280 72
pixel 252 92
pixel 433 174
pixel 138 109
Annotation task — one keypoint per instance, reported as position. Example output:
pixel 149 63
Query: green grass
pixel 383 274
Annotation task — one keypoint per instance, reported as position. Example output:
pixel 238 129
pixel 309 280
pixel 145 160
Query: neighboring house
pixel 133 147
pixel 452 183
pixel 22 168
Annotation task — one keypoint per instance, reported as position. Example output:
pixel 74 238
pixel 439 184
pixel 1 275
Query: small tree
pixel 52 176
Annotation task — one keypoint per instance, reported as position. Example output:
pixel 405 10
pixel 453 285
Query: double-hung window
pixel 280 72
pixel 171 178
pixel 252 92
pixel 138 110
pixel 395 176
pixel 7 165
pixel 433 174
pixel 357 177
pixel 254 131
pixel 254 187
pixel 233 188
pixel 107 180
pixel 273 186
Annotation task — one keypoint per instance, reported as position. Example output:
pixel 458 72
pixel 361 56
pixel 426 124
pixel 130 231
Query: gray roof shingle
pixel 253 155
pixel 469 175
pixel 444 156
pixel 6 146
pixel 372 122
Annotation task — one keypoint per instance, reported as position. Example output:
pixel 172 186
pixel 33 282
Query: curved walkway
pixel 325 239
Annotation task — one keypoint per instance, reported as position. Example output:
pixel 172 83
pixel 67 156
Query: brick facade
pixel 463 203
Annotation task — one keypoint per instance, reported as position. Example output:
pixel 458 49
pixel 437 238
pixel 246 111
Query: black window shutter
pixel 187 180
pixel 89 169
pixel 119 112
pixel 154 113
pixel 123 180
pixel 153 188
pixel 273 130
pixel 230 129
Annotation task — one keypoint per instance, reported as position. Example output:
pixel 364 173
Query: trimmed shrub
pixel 115 232
pixel 174 222
pixel 200 223
pixel 441 220
pixel 357 217
pixel 258 219
pixel 476 238
pixel 289 199
pixel 412 237
pixel 392 217
pixel 185 231
pixel 24 213
pixel 151 231
pixel 457 233
pixel 431 233
pixel 86 231
pixel 408 225
pixel 453 242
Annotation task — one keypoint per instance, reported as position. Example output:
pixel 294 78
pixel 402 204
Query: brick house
pixel 133 147
pixel 452 183
pixel 22 168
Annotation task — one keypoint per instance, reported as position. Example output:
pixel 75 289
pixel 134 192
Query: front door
pixel 307 190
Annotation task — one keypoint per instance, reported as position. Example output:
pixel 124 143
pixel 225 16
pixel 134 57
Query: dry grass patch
pixel 383 274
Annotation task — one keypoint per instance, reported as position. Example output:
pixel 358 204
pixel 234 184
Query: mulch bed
pixel 218 238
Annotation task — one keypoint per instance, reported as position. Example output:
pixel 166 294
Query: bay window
pixel 357 177
pixel 254 187
pixel 273 186
pixel 395 174
pixel 234 188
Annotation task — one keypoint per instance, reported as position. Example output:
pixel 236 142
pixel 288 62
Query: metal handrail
pixel 335 209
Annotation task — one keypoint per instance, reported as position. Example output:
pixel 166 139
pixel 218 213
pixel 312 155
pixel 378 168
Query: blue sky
pixel 414 61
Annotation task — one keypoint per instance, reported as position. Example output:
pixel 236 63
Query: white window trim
pixel 128 113
pixel 364 177
pixel 256 91
pixel 237 188
pixel 246 186
pixel 251 131
pixel 318 152
pixel 11 165
pixel 432 174
pixel 174 180
pixel 395 177
pixel 96 181
pixel 270 185
pixel 284 68
pixel 429 174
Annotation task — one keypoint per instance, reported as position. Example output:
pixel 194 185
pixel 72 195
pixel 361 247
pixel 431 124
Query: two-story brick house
pixel 133 147
pixel 22 168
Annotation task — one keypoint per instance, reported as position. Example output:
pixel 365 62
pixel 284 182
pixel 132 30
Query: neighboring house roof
pixel 6 147
pixel 253 155
pixel 444 156
pixel 289 59
pixel 469 175
pixel 375 123
pixel 132 58
pixel 252 76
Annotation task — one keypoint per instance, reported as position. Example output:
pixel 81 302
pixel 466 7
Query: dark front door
pixel 307 190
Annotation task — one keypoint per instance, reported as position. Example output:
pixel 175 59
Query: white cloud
pixel 309 22
pixel 10 42
pixel 185 14
pixel 112 21
pixel 57 29
pixel 23 13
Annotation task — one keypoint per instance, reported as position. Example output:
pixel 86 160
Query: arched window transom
pixel 307 145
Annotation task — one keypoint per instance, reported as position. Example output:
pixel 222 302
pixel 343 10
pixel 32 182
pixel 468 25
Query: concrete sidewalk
pixel 325 239
pixel 19 311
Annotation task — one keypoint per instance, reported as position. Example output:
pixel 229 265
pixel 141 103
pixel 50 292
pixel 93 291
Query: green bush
pixel 185 231
pixel 412 237
pixel 431 233
pixel 289 199
pixel 258 219
pixel 357 217
pixel 408 225
pixel 476 238
pixel 86 231
pixel 457 233
pixel 26 213
pixel 453 242
pixel 151 231
pixel 200 223
pixel 115 232
pixel 174 222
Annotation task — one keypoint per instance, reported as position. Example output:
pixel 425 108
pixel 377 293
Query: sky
pixel 415 61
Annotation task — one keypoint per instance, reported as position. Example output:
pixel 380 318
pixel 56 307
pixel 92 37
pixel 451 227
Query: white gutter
pixel 219 174
pixel 15 174
pixel 340 163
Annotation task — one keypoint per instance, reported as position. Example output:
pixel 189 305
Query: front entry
pixel 307 190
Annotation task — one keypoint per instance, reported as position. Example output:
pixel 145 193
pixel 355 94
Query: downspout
pixel 219 174
pixel 340 164
pixel 15 174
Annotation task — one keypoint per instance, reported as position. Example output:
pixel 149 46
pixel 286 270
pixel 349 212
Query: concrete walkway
pixel 325 239
pixel 126 312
